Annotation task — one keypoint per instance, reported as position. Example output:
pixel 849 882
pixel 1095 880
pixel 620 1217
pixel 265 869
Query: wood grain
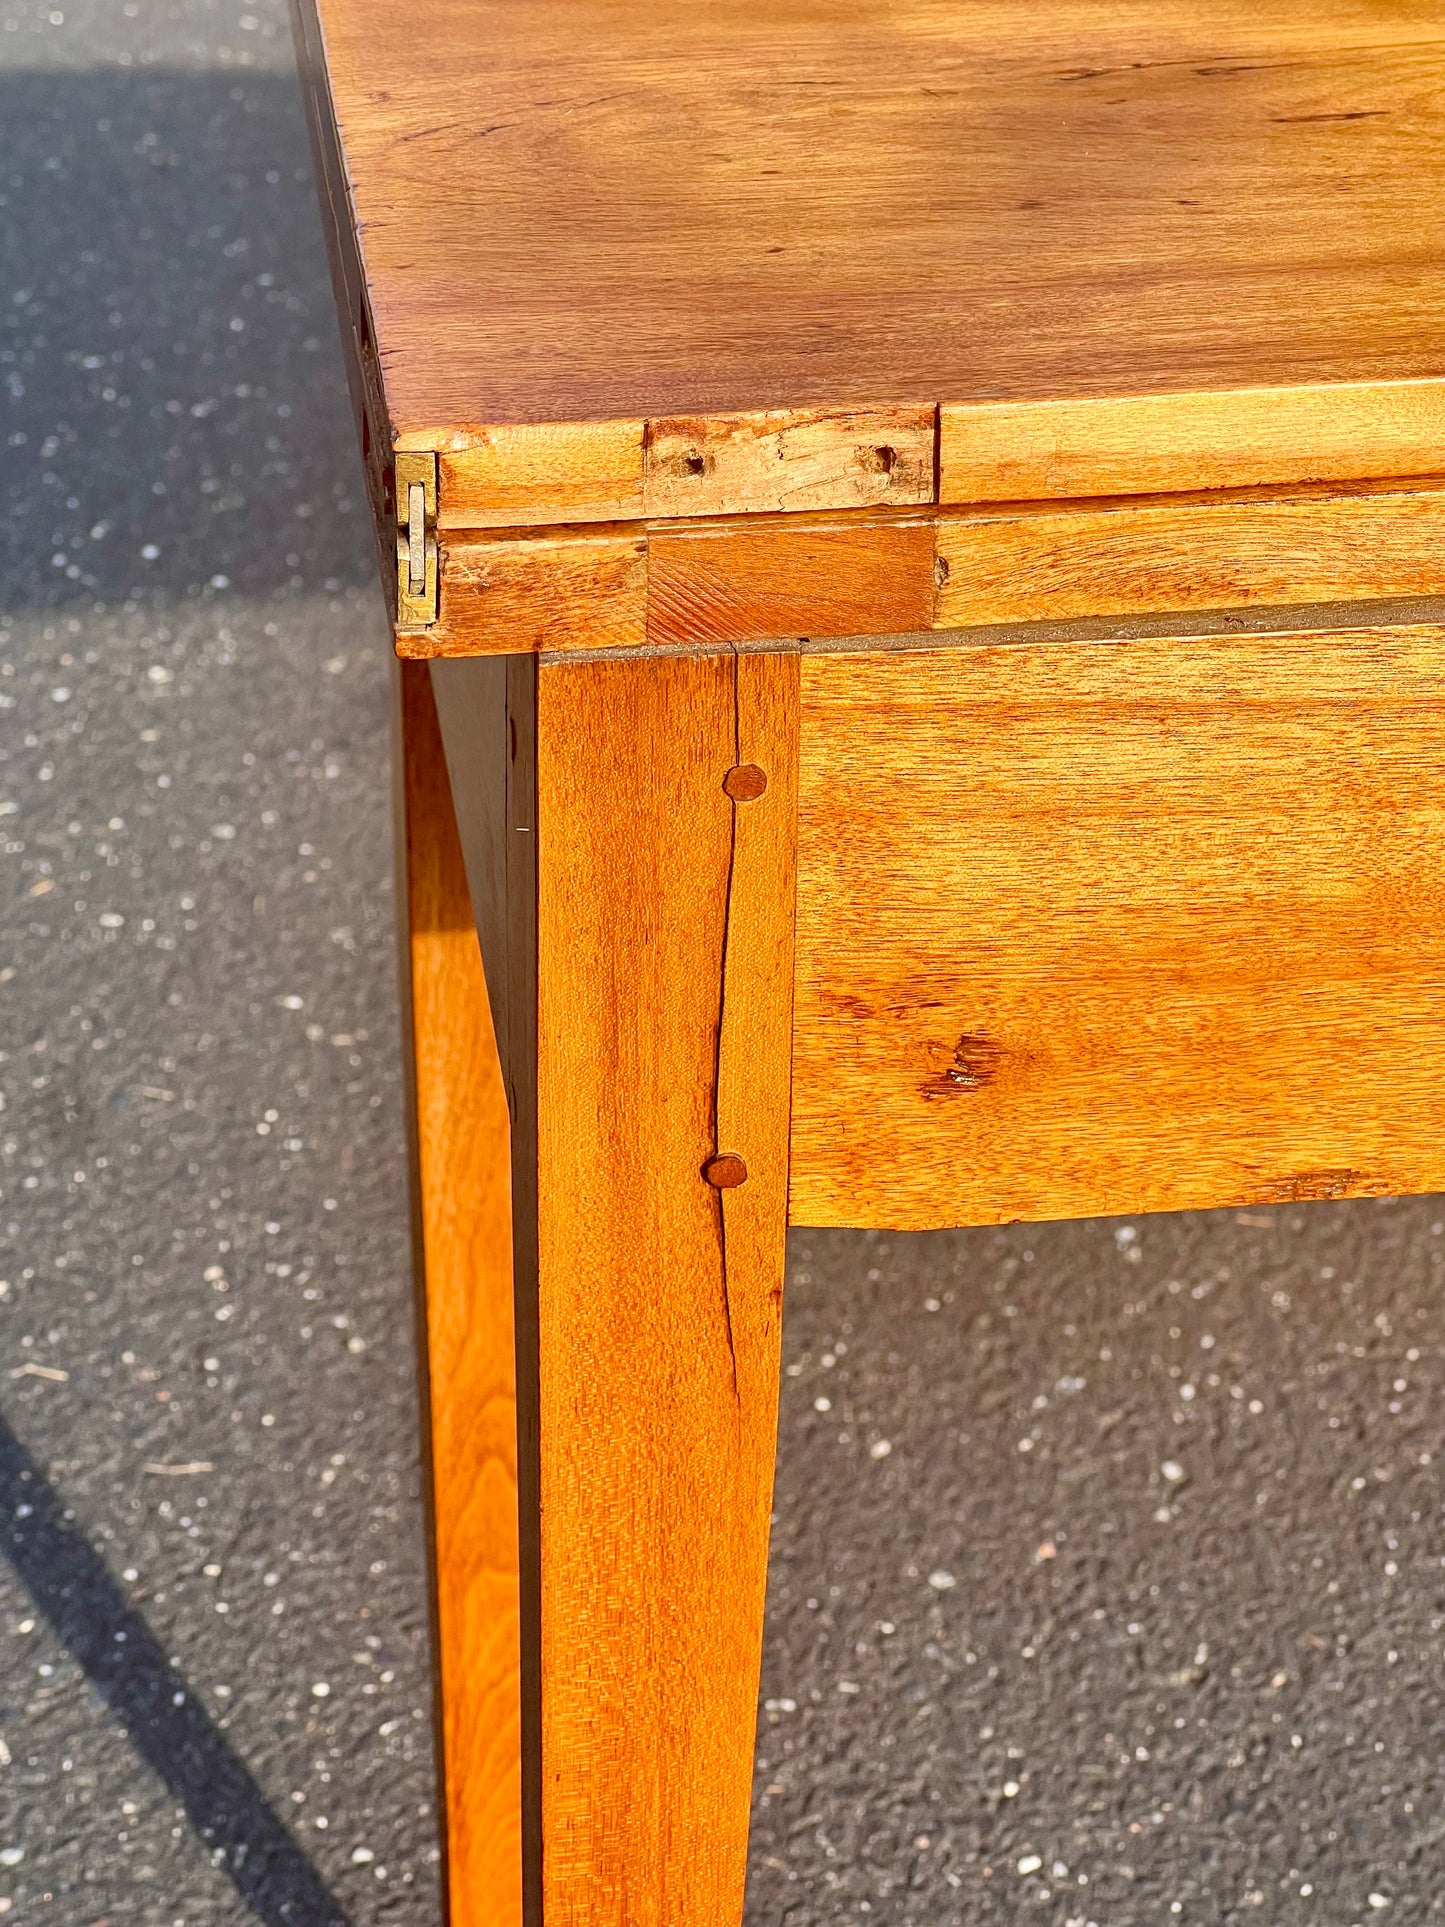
pixel 1156 444
pixel 658 1315
pixel 1119 927
pixel 1136 557
pixel 521 477
pixel 793 459
pixel 845 577
pixel 599 210
pixel 537 594
pixel 882 572
pixel 464 1211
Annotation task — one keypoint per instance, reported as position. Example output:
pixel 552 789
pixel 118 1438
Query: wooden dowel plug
pixel 745 783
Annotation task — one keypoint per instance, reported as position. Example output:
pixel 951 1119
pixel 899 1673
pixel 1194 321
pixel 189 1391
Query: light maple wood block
pixel 514 477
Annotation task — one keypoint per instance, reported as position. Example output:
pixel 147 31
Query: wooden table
pixel 910 526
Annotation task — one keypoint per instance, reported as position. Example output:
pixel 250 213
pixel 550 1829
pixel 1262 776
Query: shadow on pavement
pixel 72 1586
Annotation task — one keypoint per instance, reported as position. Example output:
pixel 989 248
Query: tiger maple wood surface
pixel 1119 927
pixel 594 210
pixel 465 1217
pixel 658 1303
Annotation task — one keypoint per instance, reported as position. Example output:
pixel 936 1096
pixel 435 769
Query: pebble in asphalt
pixel 1108 1575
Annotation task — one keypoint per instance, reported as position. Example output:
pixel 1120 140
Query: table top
pixel 590 211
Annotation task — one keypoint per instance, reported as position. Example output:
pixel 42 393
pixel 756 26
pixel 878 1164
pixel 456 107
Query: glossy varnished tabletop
pixel 616 261
pixel 575 210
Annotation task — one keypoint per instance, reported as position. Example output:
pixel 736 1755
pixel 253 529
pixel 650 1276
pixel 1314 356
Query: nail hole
pixel 695 464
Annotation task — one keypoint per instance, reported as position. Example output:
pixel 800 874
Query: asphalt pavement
pixel 1108 1576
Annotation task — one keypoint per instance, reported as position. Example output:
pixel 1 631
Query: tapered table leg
pixel 461 1191
pixel 629 833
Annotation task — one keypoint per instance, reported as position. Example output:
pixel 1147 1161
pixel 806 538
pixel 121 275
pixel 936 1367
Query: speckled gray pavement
pixel 1109 1567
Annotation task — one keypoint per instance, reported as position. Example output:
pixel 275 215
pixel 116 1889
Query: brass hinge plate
pixel 416 540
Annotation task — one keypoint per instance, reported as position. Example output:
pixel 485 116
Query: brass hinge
pixel 416 540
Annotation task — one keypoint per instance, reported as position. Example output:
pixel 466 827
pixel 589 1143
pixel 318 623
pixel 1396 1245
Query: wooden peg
pixel 745 782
